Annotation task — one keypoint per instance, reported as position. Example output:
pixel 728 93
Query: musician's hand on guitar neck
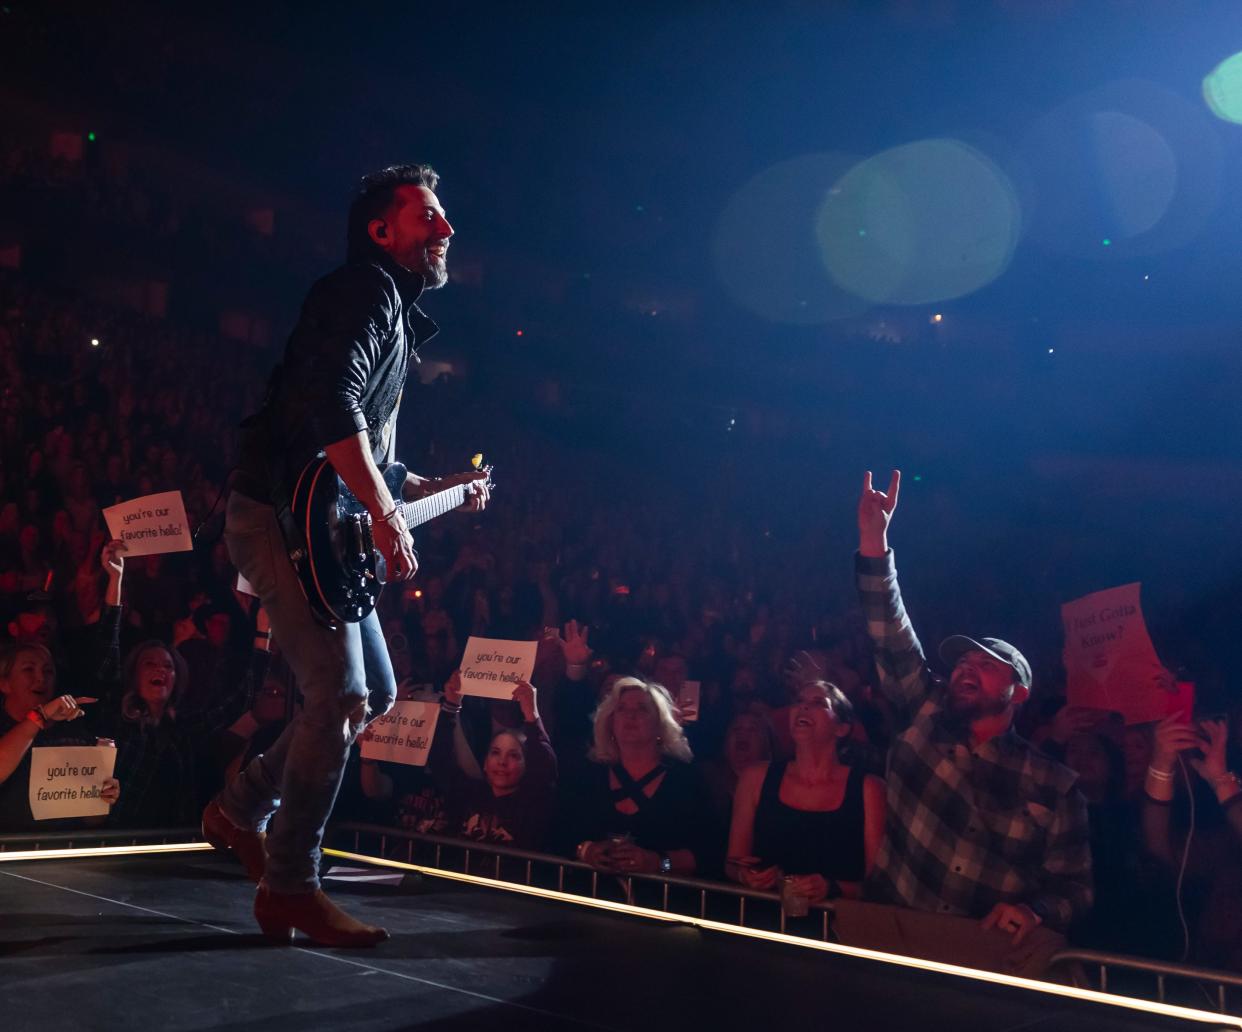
pixel 392 538
pixel 417 487
pixel 477 494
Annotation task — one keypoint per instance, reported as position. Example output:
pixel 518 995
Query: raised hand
pixel 577 651
pixel 112 559
pixel 875 511
pixel 524 695
pixel 452 689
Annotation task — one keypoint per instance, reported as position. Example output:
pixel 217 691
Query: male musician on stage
pixel 336 391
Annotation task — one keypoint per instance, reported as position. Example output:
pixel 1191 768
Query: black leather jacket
pixel 343 370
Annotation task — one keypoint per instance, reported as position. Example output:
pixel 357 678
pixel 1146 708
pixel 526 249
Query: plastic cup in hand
pixel 793 902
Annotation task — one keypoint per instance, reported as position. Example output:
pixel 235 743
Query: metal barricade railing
pixel 1104 965
pixel 1215 984
pixel 672 894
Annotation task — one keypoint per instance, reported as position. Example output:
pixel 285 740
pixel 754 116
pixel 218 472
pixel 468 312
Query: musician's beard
pixel 434 270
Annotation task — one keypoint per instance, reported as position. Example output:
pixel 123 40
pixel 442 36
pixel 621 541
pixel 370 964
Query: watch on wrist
pixel 666 865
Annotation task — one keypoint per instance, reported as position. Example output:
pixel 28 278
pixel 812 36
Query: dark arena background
pixel 710 264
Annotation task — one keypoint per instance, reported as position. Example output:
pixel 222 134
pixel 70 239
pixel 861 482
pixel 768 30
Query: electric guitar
pixel 328 534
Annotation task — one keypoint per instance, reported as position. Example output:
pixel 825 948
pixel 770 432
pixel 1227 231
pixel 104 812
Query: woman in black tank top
pixel 812 817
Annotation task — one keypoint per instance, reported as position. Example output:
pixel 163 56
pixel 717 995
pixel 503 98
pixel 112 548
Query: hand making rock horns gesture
pixel 875 511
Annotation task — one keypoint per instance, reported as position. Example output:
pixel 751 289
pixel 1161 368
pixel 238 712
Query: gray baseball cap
pixel 952 649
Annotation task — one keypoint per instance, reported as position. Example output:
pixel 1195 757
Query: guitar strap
pixel 390 432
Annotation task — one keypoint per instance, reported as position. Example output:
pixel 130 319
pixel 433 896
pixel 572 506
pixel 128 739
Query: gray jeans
pixel 294 784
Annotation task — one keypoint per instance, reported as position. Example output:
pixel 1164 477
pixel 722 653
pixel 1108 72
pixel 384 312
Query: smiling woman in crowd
pixel 158 744
pixel 513 803
pixel 812 818
pixel 34 715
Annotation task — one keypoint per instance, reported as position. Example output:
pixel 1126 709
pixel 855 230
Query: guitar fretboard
pixel 427 509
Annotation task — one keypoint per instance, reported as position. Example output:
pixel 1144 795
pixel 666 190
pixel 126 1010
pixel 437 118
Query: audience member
pixel 1196 833
pixel 980 824
pixel 513 802
pixel 159 742
pixel 645 810
pixel 813 820
pixel 34 715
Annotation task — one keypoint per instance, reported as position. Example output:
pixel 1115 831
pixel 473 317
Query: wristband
pixel 449 707
pixel 36 717
pixel 1159 775
pixel 389 515
pixel 1228 778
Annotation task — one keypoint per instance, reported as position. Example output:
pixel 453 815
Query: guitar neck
pixel 427 509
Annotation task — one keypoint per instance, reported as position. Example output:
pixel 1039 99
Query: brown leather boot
pixel 226 836
pixel 325 923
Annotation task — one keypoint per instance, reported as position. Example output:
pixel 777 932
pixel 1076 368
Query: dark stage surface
pixel 167 942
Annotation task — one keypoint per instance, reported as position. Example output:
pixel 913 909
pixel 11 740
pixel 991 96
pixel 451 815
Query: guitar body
pixel 340 571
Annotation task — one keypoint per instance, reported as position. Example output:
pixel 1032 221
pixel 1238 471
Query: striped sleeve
pixel 902 666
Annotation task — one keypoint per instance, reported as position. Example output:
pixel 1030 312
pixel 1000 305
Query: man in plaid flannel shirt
pixel 980 823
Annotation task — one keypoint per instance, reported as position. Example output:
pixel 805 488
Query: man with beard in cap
pixel 980 824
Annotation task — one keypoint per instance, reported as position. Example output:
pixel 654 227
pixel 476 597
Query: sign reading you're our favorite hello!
pixel 151 525
pixel 493 667
pixel 67 780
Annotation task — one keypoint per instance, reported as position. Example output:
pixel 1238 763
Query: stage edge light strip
pixel 992 977
pixel 97 851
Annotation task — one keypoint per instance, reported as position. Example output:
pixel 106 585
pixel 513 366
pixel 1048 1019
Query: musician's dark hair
pixel 374 196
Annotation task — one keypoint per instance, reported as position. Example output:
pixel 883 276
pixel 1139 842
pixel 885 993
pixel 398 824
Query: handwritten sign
pixel 66 781
pixel 688 701
pixel 1110 662
pixel 492 667
pixel 151 525
pixel 403 734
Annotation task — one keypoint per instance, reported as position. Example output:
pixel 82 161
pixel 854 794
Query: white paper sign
pixel 65 781
pixel 403 734
pixel 151 525
pixel 245 587
pixel 688 701
pixel 492 667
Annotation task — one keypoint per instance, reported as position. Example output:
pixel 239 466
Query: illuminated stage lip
pixel 936 967
pixel 993 978
pixel 86 852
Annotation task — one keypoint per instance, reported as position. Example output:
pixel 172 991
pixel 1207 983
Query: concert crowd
pixel 715 694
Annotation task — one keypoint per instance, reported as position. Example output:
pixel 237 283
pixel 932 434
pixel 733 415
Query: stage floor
pixel 156 943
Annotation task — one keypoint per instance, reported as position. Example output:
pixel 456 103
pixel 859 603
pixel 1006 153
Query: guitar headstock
pixel 476 463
